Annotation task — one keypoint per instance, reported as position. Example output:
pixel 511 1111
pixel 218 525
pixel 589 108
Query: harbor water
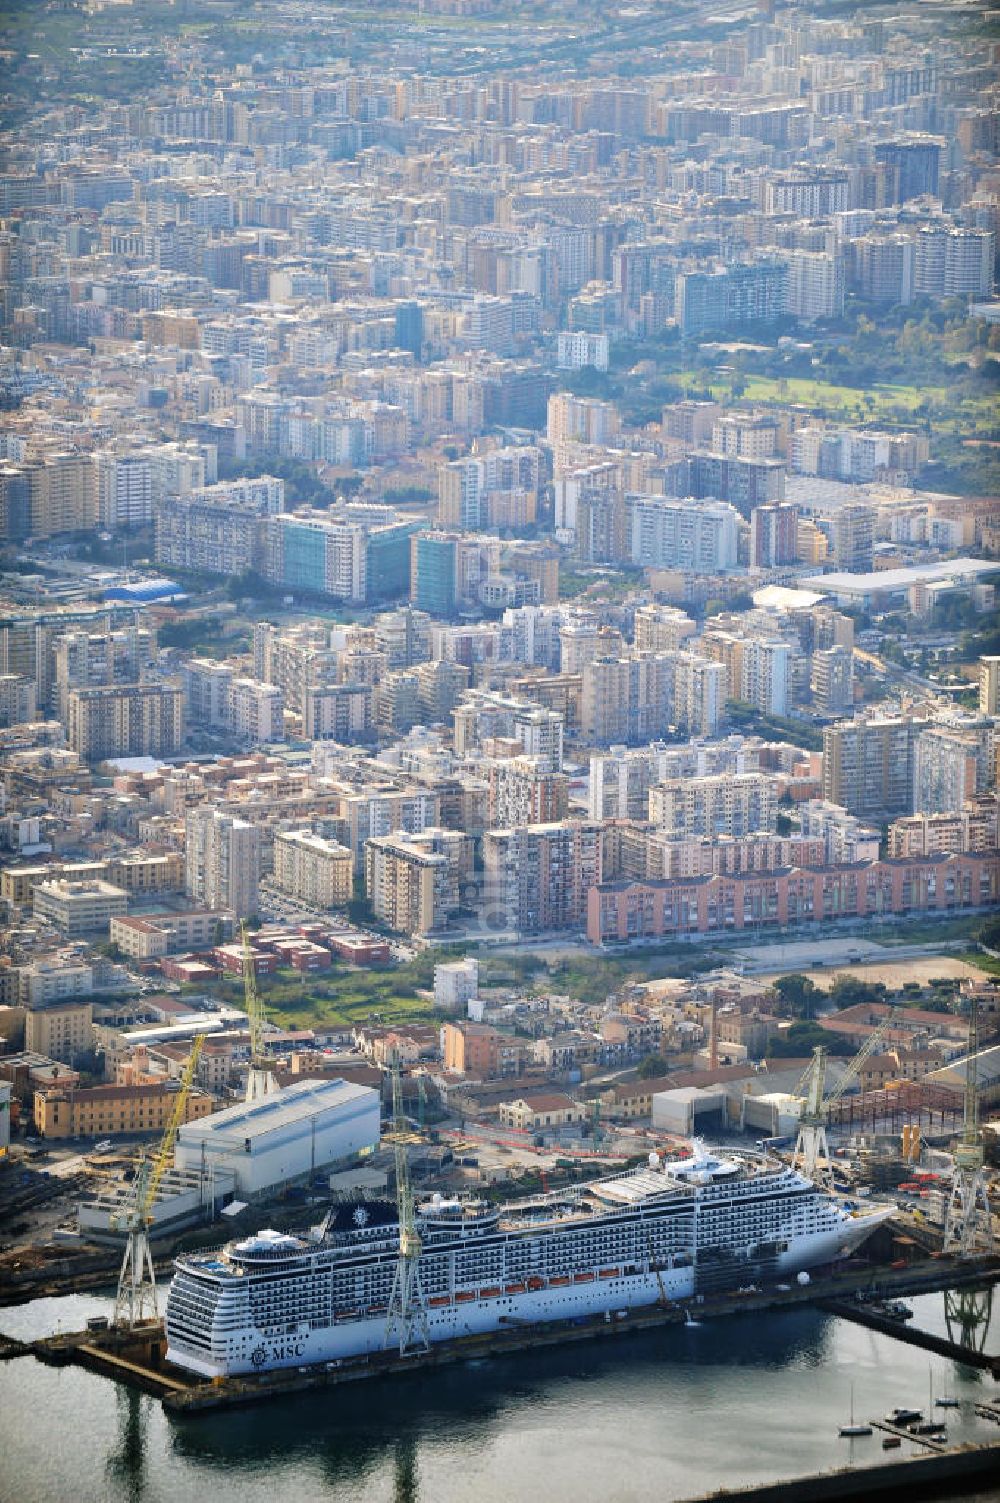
pixel 666 1414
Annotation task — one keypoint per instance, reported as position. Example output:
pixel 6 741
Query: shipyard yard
pixel 905 1323
pixel 758 1395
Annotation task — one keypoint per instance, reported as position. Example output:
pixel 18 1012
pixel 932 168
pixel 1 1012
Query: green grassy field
pixel 339 1008
pixel 342 998
pixel 882 402
pixel 982 962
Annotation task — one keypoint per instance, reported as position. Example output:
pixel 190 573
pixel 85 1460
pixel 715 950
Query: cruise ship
pixel 666 1231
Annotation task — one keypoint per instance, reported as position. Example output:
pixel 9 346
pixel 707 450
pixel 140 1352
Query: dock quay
pixel 863 1315
pixel 947 1475
pixel 66 1276
pixel 137 1357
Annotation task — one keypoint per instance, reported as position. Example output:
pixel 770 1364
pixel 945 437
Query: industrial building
pixel 678 1110
pixel 952 1077
pixel 283 1137
pixel 184 1197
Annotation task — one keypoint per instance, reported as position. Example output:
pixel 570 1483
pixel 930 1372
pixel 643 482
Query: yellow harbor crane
pixel 260 1079
pixel 136 1298
pixel 812 1151
pixel 968 1226
pixel 407 1312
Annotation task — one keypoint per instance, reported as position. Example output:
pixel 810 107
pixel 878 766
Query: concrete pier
pixel 949 1475
pixel 863 1315
pixel 931 1443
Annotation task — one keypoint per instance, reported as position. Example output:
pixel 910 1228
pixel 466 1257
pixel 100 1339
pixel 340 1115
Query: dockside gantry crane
pixel 407 1311
pixel 260 1078
pixel 968 1225
pixel 136 1298
pixel 812 1151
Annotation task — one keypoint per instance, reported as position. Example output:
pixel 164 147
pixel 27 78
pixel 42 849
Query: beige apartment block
pixel 316 870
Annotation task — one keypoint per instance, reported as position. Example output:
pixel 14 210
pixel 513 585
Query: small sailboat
pixel 689 1319
pixel 930 1426
pixel 852 1428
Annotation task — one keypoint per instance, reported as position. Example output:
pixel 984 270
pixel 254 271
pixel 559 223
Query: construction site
pixel 285 1156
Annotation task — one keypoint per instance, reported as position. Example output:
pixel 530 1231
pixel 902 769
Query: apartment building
pixel 814 285
pixel 726 804
pixel 484 716
pixel 60 1030
pixel 881 267
pixel 222 860
pixel 124 485
pixel 89 660
pixel 952 764
pixel 217 530
pixel 582 420
pixel 128 720
pixel 774 535
pixel 358 553
pixel 372 811
pixel 318 871
pixel 208 693
pixel 576 351
pixel 78 908
pixel 524 791
pixel 295 658
pixel 410 885
pixel 868 764
pixel 953 262
pixel 989 686
pixel 627 910
pixel 852 536
pixel 619 784
pixel 53 979
pixel 466 486
pixel 766 675
pixel 844 837
pixel 832 680
pixel 471 1049
pixel 725 298
pixel 256 712
pixel 135 872
pixel 61 492
pixel 339 712
pixel 661 628
pixel 634 700
pixel 973 827
pixel 670 533
pixel 537 876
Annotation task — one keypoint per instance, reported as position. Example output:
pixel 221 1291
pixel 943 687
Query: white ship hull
pixel 244 1348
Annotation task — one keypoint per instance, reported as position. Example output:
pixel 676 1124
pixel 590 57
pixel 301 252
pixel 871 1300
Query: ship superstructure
pixel 664 1231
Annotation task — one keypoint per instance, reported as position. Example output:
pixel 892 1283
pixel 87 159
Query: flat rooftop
pixel 887 581
pixel 286 1108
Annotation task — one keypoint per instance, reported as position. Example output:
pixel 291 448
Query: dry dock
pixel 136 1358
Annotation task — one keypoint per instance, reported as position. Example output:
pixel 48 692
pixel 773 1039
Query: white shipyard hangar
pixel 283 1137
